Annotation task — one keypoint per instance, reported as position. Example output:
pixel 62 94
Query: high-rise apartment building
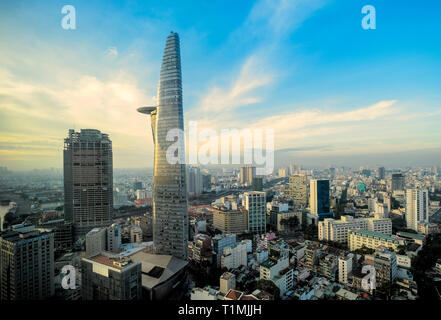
pixel 398 182
pixel 417 207
pixel 255 204
pixel 88 180
pixel 247 175
pixel 298 189
pixel 26 264
pixel 221 241
pixel 319 197
pixel 170 219
pixel 194 181
pixel 385 264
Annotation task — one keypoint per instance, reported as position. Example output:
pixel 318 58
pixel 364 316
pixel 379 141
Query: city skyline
pixel 171 152
pixel 338 94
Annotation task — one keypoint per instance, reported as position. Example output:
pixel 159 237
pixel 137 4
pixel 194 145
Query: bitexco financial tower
pixel 170 221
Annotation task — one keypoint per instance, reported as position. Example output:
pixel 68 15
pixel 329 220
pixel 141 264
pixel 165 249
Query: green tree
pixel 269 286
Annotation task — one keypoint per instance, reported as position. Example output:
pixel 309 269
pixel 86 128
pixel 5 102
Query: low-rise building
pixel 234 256
pixel 106 277
pixel 277 269
pixel 337 230
pixel 230 221
pixel 227 282
pixel 371 240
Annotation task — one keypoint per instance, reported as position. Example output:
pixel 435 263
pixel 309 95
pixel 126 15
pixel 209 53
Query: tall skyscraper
pixel 255 203
pixel 88 180
pixel 26 264
pixel 194 181
pixel 417 207
pixel 381 173
pixel 297 189
pixel 319 197
pixel 170 220
pixel 247 175
pixel 398 182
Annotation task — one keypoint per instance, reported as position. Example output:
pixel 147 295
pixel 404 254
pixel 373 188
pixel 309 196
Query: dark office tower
pixel 398 182
pixel 381 173
pixel 170 220
pixel 26 264
pixel 258 184
pixel 137 185
pixel 319 197
pixel 206 182
pixel 88 180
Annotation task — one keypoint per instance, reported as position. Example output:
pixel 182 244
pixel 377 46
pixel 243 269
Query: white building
pixel 95 241
pixel 114 237
pixel 417 207
pixel 255 204
pixel 234 256
pixel 249 245
pixel 227 282
pixel 337 230
pixel 277 269
pixel 345 268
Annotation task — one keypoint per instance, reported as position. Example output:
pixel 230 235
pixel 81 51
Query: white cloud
pixel 111 52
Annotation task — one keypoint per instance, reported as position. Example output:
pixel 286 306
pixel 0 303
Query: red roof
pixel 234 294
pixel 143 201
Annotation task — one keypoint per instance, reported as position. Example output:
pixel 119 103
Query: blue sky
pixel 333 92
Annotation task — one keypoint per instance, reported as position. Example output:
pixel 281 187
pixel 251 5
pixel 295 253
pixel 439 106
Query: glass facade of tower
pixel 170 221
pixel 323 205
